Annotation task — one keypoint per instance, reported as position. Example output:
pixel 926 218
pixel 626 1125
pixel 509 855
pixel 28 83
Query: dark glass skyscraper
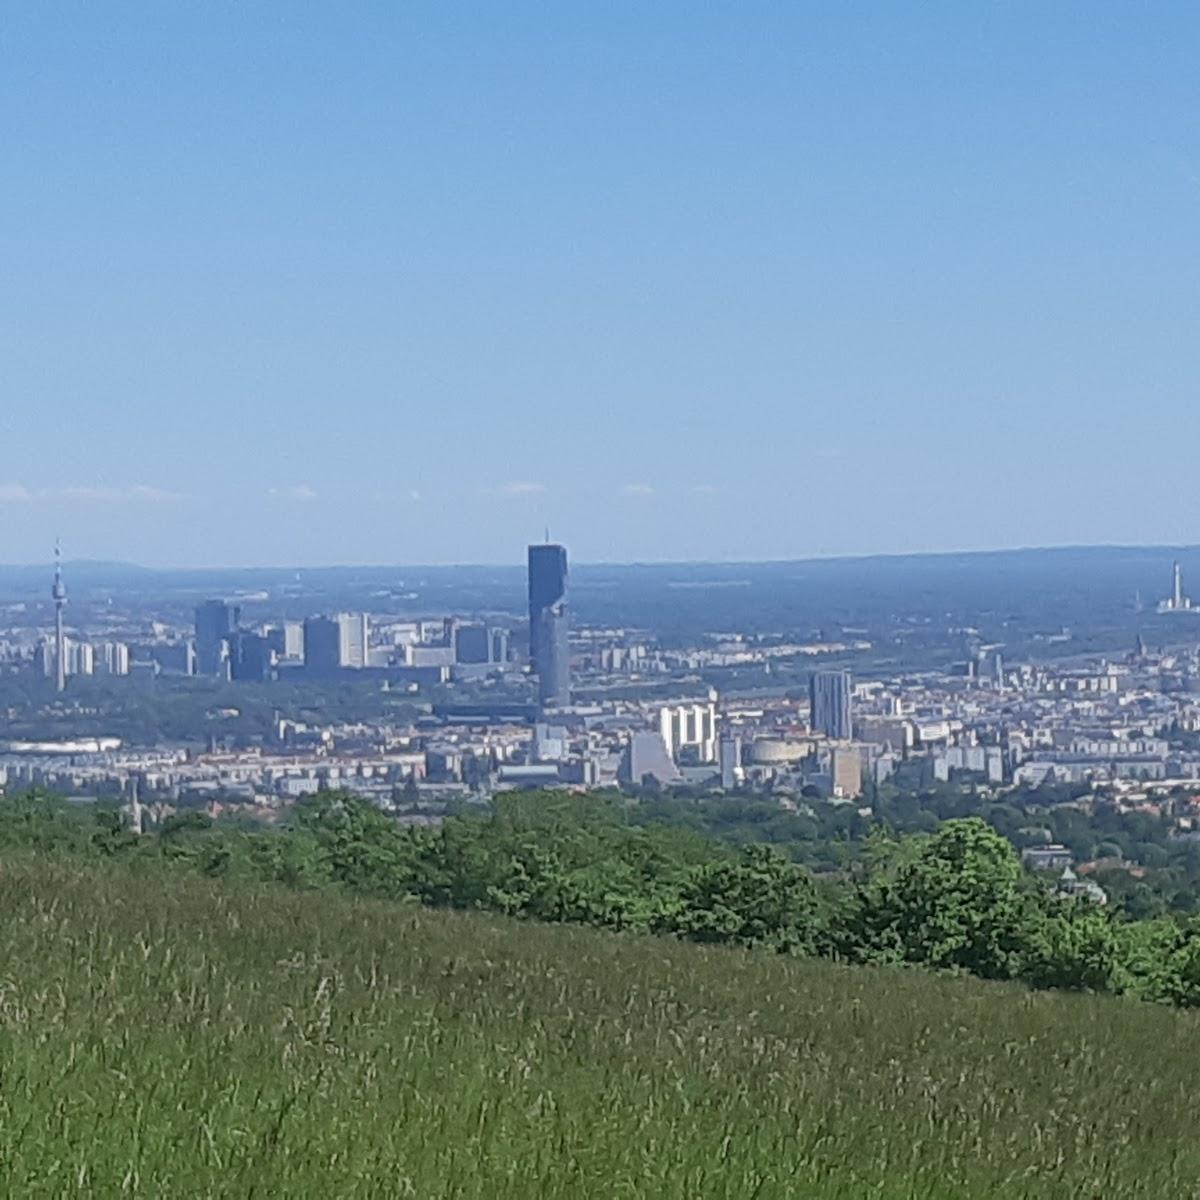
pixel 250 656
pixel 829 700
pixel 549 652
pixel 472 643
pixel 215 622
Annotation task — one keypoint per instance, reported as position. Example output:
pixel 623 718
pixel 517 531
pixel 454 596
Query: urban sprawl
pixel 521 704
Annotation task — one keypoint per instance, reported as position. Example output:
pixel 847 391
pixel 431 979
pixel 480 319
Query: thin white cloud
pixel 152 495
pixel 520 488
pixel 138 493
pixel 300 492
pixel 412 496
pixel 637 489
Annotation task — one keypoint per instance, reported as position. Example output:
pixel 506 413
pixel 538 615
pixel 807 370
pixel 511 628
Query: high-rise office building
pixel 44 658
pixel 215 622
pixel 287 641
pixel 81 658
pixel 251 657
pixel 322 645
pixel 355 639
pixel 336 643
pixel 171 658
pixel 499 638
pixel 829 704
pixel 472 643
pixel 549 651
pixel 730 758
pixel 690 728
pixel 846 772
pixel 293 640
pixel 113 659
pixel 78 658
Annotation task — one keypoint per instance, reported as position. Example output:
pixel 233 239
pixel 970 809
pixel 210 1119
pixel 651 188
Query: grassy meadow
pixel 164 1035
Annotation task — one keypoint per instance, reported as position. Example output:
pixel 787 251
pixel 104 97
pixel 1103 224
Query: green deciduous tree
pixel 357 846
pixel 1070 944
pixel 759 899
pixel 956 904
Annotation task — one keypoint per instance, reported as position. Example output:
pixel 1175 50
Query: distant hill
pixel 1043 557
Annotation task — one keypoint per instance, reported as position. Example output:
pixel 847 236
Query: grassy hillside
pixel 168 1036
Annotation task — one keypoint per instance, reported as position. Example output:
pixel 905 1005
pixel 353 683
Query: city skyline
pixel 463 699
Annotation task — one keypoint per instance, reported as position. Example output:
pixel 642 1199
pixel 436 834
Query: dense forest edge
pixel 955 900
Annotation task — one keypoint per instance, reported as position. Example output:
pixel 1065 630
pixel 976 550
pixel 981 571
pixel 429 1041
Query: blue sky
pixel 290 283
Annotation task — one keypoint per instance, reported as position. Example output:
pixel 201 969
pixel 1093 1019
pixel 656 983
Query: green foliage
pixel 1147 870
pixel 355 845
pixel 955 900
pixel 167 1035
pixel 111 836
pixel 758 900
pixel 956 904
pixel 35 820
pixel 1161 961
pixel 561 858
pixel 1074 946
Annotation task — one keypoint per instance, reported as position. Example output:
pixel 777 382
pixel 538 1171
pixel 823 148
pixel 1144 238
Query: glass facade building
pixel 549 652
pixel 829 703
pixel 215 623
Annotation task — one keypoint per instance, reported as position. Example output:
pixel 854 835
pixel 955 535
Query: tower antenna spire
pixel 59 594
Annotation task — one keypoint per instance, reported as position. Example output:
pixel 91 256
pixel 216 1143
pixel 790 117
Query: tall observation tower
pixel 59 592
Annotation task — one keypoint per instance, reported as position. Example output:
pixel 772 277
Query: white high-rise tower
pixel 1177 601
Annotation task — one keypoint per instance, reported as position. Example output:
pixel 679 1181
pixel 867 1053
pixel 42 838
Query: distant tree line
pixel 1146 869
pixel 954 900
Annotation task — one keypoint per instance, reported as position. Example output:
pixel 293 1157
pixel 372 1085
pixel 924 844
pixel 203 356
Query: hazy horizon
pixel 518 563
pixel 683 283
